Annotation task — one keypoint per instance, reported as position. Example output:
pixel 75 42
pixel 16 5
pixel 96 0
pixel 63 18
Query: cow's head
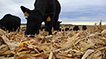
pixel 34 21
pixel 26 11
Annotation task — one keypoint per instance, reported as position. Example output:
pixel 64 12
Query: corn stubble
pixel 88 44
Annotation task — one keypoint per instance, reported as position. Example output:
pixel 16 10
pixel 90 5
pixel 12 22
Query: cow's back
pixel 47 6
pixel 10 19
pixel 58 7
pixel 10 22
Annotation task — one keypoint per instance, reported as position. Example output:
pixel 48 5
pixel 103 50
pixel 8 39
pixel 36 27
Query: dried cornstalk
pixel 69 43
pixel 51 55
pixel 87 53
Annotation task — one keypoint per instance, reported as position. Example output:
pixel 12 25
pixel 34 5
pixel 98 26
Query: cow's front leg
pixel 48 24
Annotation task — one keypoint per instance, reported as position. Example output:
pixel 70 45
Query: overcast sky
pixel 72 11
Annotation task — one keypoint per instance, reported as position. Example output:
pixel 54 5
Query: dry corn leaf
pixel 69 42
pixel 87 53
pixel 39 54
pixel 104 31
pixel 8 52
pixel 51 55
pixel 24 52
pixel 85 45
pixel 2 32
pixel 65 55
pixel 23 57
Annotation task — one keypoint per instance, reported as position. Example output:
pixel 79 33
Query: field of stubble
pixel 88 44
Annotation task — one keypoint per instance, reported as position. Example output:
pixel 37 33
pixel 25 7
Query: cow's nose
pixel 31 36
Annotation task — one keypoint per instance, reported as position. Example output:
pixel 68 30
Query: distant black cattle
pixel 59 29
pixel 62 29
pixel 76 28
pixel 66 29
pixel 45 10
pixel 84 27
pixel 10 22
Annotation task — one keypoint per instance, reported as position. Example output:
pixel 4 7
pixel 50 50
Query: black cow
pixel 10 22
pixel 62 29
pixel 45 10
pixel 76 28
pixel 59 29
pixel 66 29
pixel 84 27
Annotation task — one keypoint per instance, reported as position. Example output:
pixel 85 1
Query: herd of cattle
pixel 75 28
pixel 44 11
pixel 69 28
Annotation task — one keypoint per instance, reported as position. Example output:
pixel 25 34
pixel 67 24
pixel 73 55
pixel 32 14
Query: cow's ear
pixel 26 14
pixel 48 19
pixel 25 10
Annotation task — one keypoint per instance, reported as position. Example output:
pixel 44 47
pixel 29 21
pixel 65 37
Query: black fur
pixel 10 22
pixel 43 9
pixel 76 28
pixel 84 27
